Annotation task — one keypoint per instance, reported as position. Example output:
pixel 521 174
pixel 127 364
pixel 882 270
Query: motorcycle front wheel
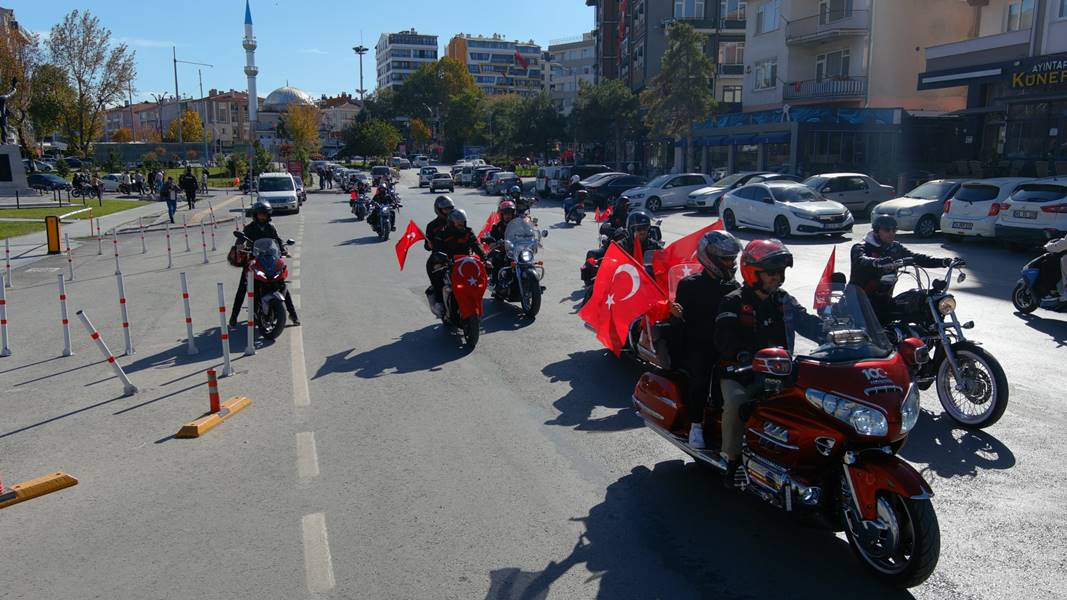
pixel 471 331
pixel 273 321
pixel 1024 299
pixel 903 545
pixel 983 396
pixel 531 295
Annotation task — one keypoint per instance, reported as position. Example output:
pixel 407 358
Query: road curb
pixel 199 427
pixel 35 488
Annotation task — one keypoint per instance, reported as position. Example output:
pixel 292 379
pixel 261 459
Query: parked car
pixel 442 181
pixel 425 175
pixel 920 209
pixel 404 164
pixel 858 192
pixel 381 171
pixel 592 179
pixel 708 198
pixel 490 181
pixel 606 189
pixel 481 174
pixel 972 211
pixel 47 182
pixel 36 165
pixel 466 176
pixel 1035 212
pixel 502 182
pixel 667 191
pixel 301 194
pixel 111 182
pixel 278 190
pixel 784 208
pixel 395 161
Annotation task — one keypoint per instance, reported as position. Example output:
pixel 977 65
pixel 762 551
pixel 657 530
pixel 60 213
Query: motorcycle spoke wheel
pixel 975 396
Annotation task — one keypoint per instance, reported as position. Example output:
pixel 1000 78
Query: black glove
pixel 947 262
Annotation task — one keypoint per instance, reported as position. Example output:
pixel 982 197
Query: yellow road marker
pixel 34 488
pixel 199 427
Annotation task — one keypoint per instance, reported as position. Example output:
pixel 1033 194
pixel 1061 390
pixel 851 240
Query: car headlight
pixel 803 214
pixel 864 419
pixel 636 196
pixel 526 256
pixel 946 305
pixel 909 411
pixel 905 212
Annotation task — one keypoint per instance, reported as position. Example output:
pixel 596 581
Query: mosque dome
pixel 282 98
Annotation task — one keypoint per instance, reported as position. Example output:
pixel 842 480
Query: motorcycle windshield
pixel 850 329
pixel 267 254
pixel 520 235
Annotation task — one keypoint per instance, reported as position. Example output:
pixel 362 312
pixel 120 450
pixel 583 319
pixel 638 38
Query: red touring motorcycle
pixel 822 436
pixel 462 294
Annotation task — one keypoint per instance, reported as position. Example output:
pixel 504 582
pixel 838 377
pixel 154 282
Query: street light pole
pixel 160 99
pixel 360 50
pixel 177 97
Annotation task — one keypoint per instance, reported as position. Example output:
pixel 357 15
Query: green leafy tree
pixel 501 124
pixel 237 165
pixel 538 124
pixel 420 132
pixel 609 106
pixel 381 106
pixel 261 159
pixel 683 92
pixel 427 91
pixel 62 168
pixel 112 161
pixel 50 97
pixel 372 138
pixel 462 121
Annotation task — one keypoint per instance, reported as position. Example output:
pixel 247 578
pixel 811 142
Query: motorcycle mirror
pixel 237 234
pixel 290 242
pixel 961 277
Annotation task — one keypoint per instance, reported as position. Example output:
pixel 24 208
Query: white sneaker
pixel 696 437
pixel 438 309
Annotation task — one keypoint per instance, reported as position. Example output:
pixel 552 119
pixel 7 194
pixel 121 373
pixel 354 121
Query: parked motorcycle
pixel 269 272
pixel 971 384
pixel 519 280
pixel 462 294
pixel 822 436
pixel 1037 285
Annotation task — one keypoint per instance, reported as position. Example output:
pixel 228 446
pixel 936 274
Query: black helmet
pixel 261 207
pixel 884 222
pixel 441 203
pixel 457 218
pixel 717 251
pixel 638 220
pixel 515 191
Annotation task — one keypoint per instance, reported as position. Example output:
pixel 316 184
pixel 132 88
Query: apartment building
pixel 498 65
pixel 400 54
pixel 1013 65
pixel 223 114
pixel 568 64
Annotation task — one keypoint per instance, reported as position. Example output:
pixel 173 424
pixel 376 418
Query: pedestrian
pixel 127 181
pixel 329 179
pixel 98 187
pixel 203 181
pixel 168 192
pixel 187 182
pixel 138 183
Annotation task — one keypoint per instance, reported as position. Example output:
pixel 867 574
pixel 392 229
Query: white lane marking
pixel 318 565
pixel 293 284
pixel 301 395
pixel 296 301
pixel 307 456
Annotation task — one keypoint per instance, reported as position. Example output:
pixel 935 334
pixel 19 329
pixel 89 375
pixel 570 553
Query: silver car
pixel 920 209
pixel 858 192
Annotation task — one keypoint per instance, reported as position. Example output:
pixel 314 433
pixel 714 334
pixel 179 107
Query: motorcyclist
pixel 381 199
pixel 620 211
pixel 750 319
pixel 442 207
pixel 522 205
pixel 638 224
pixel 874 257
pixel 693 314
pixel 497 257
pixel 579 198
pixel 259 228
pixel 454 239
pixel 1060 247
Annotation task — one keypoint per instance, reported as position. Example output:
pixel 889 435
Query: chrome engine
pixel 773 483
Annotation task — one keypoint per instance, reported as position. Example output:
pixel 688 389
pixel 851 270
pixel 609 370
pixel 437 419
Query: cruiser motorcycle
pixel 519 277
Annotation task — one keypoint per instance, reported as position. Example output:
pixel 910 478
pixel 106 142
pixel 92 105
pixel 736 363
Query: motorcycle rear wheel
pixel 989 392
pixel 1024 299
pixel 912 525
pixel 471 331
pixel 273 321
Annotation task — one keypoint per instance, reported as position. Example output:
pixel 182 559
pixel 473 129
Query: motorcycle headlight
pixel 909 411
pixel 946 305
pixel 526 256
pixel 864 419
pixel 905 212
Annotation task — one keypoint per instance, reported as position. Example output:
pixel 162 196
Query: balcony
pixel 828 25
pixel 826 89
pixel 1000 47
pixel 731 70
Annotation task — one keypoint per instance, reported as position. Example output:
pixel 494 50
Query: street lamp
pixel 361 50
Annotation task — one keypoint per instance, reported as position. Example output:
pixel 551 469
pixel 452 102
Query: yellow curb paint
pixel 228 408
pixel 34 488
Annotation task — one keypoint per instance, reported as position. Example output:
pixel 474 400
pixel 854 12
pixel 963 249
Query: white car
pixel 708 198
pixel 111 182
pixel 278 190
pixel 973 210
pixel 442 181
pixel 666 191
pixel 426 175
pixel 1035 212
pixel 421 160
pixel 785 208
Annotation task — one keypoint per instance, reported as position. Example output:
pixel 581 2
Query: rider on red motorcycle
pixel 456 238
pixel 693 315
pixel 260 227
pixel 751 319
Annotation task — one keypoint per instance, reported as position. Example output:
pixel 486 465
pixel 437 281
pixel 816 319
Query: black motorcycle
pixel 519 276
pixel 573 211
pixel 360 206
pixel 1037 285
pixel 971 384
pixel 386 218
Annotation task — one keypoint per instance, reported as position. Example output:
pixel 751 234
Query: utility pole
pixel 200 74
pixel 133 125
pixel 160 99
pixel 360 50
pixel 174 55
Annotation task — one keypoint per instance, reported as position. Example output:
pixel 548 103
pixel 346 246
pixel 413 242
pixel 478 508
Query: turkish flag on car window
pixel 411 235
pixel 622 293
pixel 680 251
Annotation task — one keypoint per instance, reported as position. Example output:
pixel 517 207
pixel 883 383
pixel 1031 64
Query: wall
pixel 1055 38
pixel 760 47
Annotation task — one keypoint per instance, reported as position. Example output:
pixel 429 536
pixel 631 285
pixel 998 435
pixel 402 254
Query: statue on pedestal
pixel 3 109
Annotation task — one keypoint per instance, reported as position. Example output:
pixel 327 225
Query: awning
pixel 776 137
pixel 978 110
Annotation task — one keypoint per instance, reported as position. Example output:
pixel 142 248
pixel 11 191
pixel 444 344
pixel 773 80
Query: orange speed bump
pixel 199 427
pixel 34 488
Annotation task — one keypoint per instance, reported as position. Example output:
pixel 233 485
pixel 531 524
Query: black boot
pixel 293 319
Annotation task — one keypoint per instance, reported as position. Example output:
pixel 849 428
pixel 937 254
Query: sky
pixel 307 43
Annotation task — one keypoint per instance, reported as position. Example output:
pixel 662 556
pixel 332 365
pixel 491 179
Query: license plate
pixel 1024 214
pixel 962 225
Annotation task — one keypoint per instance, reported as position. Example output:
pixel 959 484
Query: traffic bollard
pixel 99 239
pixel 115 243
pixel 140 225
pixel 125 315
pixel 4 349
pixel 213 248
pixel 127 386
pixel 203 241
pixel 250 300
pixel 190 347
pixel 63 316
pixel 213 399
pixel 224 334
pixel 185 228
pixel 70 256
pixel 7 264
pixel 170 260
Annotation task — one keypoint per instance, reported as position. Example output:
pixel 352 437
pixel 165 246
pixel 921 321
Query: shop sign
pixel 1040 71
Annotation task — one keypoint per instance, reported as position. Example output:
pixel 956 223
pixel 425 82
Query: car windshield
pixel 816 182
pixel 850 329
pixel 977 192
pixel 442 176
pixel 275 184
pixel 795 194
pixel 729 180
pixel 932 190
pixel 1039 192
pixel 659 181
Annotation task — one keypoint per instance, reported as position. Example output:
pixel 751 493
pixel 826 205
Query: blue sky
pixel 305 42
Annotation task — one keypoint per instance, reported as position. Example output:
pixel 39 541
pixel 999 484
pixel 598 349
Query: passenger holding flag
pixel 622 293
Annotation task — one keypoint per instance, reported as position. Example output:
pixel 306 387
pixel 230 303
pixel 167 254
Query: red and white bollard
pixel 213 248
pixel 125 315
pixel 185 228
pixel 99 239
pixel 170 261
pixel 4 349
pixel 224 334
pixel 127 386
pixel 140 225
pixel 63 316
pixel 70 256
pixel 115 243
pixel 190 346
pixel 250 300
pixel 203 241
pixel 7 264
pixel 214 402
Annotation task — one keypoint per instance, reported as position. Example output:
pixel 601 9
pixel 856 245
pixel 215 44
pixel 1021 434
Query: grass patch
pixel 9 230
pixel 109 207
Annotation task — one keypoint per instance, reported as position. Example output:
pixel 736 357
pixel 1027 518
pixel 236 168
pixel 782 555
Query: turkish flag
pixel 596 215
pixel 822 291
pixel 604 216
pixel 622 293
pixel 680 251
pixel 469 281
pixel 493 219
pixel 411 235
pixel 522 62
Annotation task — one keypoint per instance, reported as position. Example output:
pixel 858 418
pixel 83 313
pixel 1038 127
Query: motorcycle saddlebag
pixel 659 399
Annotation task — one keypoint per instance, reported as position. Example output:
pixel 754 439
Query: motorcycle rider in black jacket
pixel 497 257
pixel 454 239
pixel 258 228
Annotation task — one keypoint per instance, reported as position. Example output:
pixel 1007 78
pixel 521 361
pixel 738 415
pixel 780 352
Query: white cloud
pixel 143 43
pixel 312 51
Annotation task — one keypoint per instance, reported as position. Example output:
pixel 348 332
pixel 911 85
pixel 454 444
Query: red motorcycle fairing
pixel 882 383
pixel 659 399
pixel 262 276
pixel 875 471
pixel 469 280
pixel 803 441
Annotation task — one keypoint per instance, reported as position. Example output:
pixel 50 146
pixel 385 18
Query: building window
pixel 731 93
pixel 832 65
pixel 732 53
pixel 834 10
pixel 1021 15
pixel 734 10
pixel 766 74
pixel 1063 9
pixel 688 9
pixel 767 16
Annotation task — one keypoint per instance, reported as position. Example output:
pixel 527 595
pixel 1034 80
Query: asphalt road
pixel 381 460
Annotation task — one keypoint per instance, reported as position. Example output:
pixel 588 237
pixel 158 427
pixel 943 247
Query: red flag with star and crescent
pixel 623 292
pixel 680 251
pixel 823 290
pixel 604 216
pixel 411 235
pixel 492 219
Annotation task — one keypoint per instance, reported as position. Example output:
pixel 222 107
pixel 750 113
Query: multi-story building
pixel 224 116
pixel 335 115
pixel 568 64
pixel 1012 62
pixel 500 66
pixel 400 54
pixel 606 38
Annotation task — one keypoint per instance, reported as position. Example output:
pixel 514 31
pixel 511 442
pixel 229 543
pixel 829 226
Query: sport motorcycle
pixel 269 273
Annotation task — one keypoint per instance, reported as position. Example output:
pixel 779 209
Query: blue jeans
pixel 172 207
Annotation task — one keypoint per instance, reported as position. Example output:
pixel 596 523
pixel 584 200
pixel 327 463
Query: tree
pixel 192 130
pixel 538 124
pixel 62 168
pixel 152 161
pixel 236 165
pixel 462 119
pixel 501 123
pixel 683 92
pixel 607 106
pixel 420 132
pixel 98 72
pixel 122 136
pixel 261 158
pixel 51 96
pixel 381 106
pixel 20 54
pixel 112 161
pixel 301 128
pixel 372 138
pixel 426 92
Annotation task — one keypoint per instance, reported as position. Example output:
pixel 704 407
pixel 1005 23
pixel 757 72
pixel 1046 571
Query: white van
pixel 421 160
pixel 278 190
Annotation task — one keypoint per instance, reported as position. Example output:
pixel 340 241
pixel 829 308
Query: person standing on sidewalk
pixel 203 181
pixel 169 193
pixel 98 187
pixel 188 184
